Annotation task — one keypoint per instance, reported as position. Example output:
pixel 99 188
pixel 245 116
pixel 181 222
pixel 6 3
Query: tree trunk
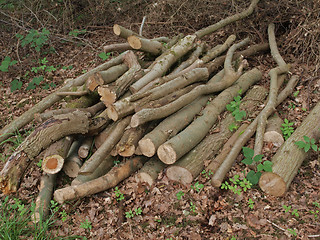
pixel 150 171
pixel 289 157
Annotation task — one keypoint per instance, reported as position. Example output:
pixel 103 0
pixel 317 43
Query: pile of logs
pixel 157 110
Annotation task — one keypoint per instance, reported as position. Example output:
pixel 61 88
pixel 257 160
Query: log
pixel 150 171
pixel 182 143
pixel 48 101
pixel 186 169
pixel 123 32
pixel 218 177
pixel 117 47
pixel 145 45
pixel 94 161
pixel 164 62
pixel 229 78
pixel 73 162
pixel 289 157
pixel 85 147
pixel 103 168
pixel 113 73
pixel 107 181
pixel 56 127
pixel 273 132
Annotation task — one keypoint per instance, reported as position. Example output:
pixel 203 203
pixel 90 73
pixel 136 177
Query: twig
pixel 277 226
pixel 142 24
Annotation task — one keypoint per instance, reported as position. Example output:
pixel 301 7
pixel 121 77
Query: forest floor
pixel 170 210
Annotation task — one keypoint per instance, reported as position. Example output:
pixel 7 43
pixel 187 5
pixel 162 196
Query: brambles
pixel 287 129
pixel 6 63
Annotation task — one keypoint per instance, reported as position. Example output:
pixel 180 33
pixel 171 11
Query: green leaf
pixel 267 166
pixel 314 147
pixel 253 177
pixel 258 158
pixel 247 161
pixel 260 167
pixel 306 138
pixel 15 85
pixel 104 56
pixel 300 144
pixel 247 152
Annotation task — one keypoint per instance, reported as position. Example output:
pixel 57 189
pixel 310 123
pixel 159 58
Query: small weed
pixel 233 107
pixel 206 174
pixel 294 212
pixel 15 85
pixel 286 208
pixel 104 56
pixel 296 93
pixel 232 127
pixel 193 207
pixel 39 164
pixel 35 39
pixel 116 162
pixel 77 32
pixel 64 216
pixel 251 203
pixel 6 63
pixel 292 106
pixel 158 219
pixel 292 231
pixel 118 194
pixel 315 212
pixel 179 195
pixel 86 225
pixel 307 144
pixel 287 129
pixel 135 212
pixel 238 185
pixel 138 211
pixel 197 186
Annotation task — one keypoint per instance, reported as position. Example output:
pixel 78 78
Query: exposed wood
pixel 56 127
pixel 94 81
pixel 73 162
pixel 52 164
pixel 146 45
pixel 48 101
pixel 103 135
pixel 85 147
pixel 289 157
pixel 212 28
pixel 94 161
pixel 164 61
pixel 176 147
pixel 229 78
pixel 273 132
pixel 109 180
pixel 123 32
pixel 103 168
pixel 150 171
pixel 248 133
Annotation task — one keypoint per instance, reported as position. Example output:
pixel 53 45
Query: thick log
pixel 186 169
pixel 248 133
pixel 182 143
pixel 212 28
pixel 164 62
pixel 117 47
pixel 273 132
pixel 289 157
pixel 229 78
pixel 94 161
pixel 48 101
pixel 109 180
pixel 123 32
pixel 113 73
pixel 150 171
pixel 145 45
pixel 73 162
pixel 56 127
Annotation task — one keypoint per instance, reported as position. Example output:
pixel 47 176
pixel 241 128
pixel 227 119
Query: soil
pixel 208 213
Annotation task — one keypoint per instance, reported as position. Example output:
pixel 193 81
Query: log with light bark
pixel 48 101
pixel 94 161
pixel 176 147
pixel 146 45
pixel 218 177
pixel 273 132
pixel 73 162
pixel 48 181
pixel 123 32
pixel 191 164
pixel 107 181
pixel 117 47
pixel 110 93
pixel 150 171
pixel 229 78
pixel 288 159
pixel 56 127
pixel 274 86
pixel 85 147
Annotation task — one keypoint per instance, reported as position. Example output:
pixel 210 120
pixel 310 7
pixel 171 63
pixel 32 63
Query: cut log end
pixel 128 151
pixel 52 164
pixel 145 178
pixel 272 184
pixel 112 113
pixel 59 195
pixel 135 121
pixel 147 147
pixel 134 42
pixel 116 29
pixel 274 137
pixel 107 97
pixel 216 183
pixel 179 174
pixel 71 168
pixel 167 154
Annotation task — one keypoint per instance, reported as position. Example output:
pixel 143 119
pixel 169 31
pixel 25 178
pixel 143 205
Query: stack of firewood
pixel 157 110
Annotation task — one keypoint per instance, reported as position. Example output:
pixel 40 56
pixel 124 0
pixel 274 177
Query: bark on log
pixel 273 132
pixel 289 157
pixel 117 47
pixel 85 147
pixel 145 45
pixel 123 32
pixel 48 101
pixel 191 164
pixel 241 141
pixel 182 143
pixel 94 161
pixel 229 78
pixel 109 180
pixel 73 162
pixel 212 28
pixel 113 73
pixel 56 127
pixel 164 61
pixel 150 171
pixel 103 168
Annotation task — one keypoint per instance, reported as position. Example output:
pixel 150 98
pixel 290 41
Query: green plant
pixel 232 127
pixel 292 106
pixel 286 208
pixel 197 186
pixel 6 63
pixel 292 231
pixel 193 207
pixel 36 39
pixel 249 159
pixel 118 194
pixel 116 162
pixel 315 212
pixel 296 93
pixel 157 219
pixel 138 211
pixel 250 203
pixel 77 32
pixel 287 129
pixel 104 56
pixel 294 212
pixel 86 225
pixel 206 174
pixel 39 164
pixel 233 107
pixel 64 216
pixel 15 85
pixel 129 214
pixel 179 195
pixel 307 144
pixel 238 185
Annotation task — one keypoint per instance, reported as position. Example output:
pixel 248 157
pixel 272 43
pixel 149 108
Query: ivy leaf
pixel 253 177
